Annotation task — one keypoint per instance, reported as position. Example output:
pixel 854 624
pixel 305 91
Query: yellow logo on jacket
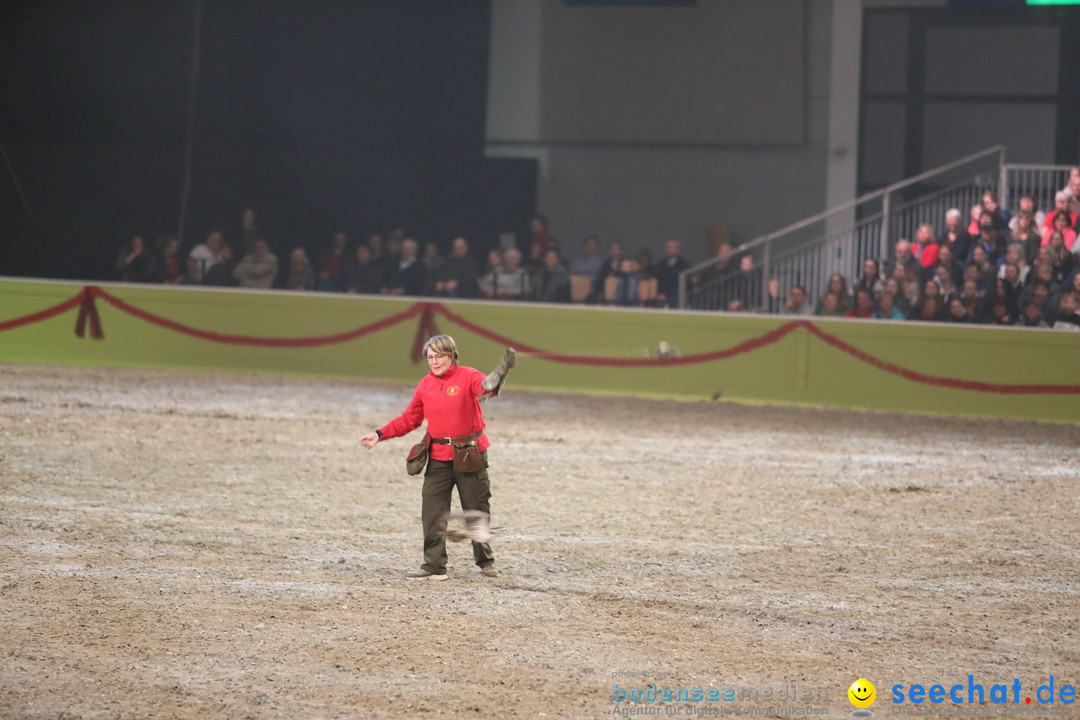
pixel 452 390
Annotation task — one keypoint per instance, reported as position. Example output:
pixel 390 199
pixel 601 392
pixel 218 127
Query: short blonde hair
pixel 442 344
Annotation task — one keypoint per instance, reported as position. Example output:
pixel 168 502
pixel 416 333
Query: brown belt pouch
pixel 418 456
pixel 466 453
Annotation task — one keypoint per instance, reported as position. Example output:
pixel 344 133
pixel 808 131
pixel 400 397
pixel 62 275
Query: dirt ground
pixel 199 545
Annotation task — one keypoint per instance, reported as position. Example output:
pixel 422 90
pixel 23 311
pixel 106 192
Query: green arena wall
pixel 912 367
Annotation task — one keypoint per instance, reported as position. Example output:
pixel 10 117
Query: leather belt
pixel 463 438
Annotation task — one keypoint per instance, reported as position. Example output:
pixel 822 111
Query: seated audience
pixel 864 304
pixel 957 313
pixel 871 278
pixel 134 263
pixel 798 303
pixel 363 276
pixel 166 266
pixel 666 271
pixel 330 267
pixel 485 285
pixel 457 275
pixel 512 282
pixel 590 261
pixel 211 262
pixel 955 235
pixel 299 275
pixel 838 288
pixel 410 277
pixel 551 281
pixel 258 268
pixel 886 307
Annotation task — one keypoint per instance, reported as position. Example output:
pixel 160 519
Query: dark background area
pixel 321 115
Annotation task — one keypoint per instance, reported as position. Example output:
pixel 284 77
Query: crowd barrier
pixel 913 367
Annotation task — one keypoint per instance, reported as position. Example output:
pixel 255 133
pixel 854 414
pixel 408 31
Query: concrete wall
pixel 945 369
pixel 645 187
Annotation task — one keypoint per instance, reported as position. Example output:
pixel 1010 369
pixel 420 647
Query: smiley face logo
pixel 862 693
pixel 452 390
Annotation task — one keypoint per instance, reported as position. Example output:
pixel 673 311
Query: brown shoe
pixel 489 571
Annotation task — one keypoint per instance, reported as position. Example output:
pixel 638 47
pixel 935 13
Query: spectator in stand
pixel 210 263
pixel 973 302
pixel 391 259
pixel 1011 277
pixel 551 282
pixel 541 239
pixel 1068 315
pixel 930 290
pixel 1061 206
pixel 900 300
pixel 300 275
pixel 611 266
pixel 512 282
pixel 957 313
pixel 1065 310
pixel 1040 291
pixel 1073 188
pixel 485 285
pixel 945 284
pixel 925 249
pixel 378 247
pixel 1063 227
pixel 410 277
pixel 330 267
pixel 457 275
pixel 984 272
pixel 626 283
pixel 1027 235
pixel 746 291
pixel 721 268
pixel 903 257
pixel 1000 215
pixel 1026 204
pixel 839 288
pixel 1014 255
pixel 830 305
pixel 1061 260
pixel 871 278
pixel 1042 271
pixel 166 266
pixel 363 275
pixel 930 310
pixel 590 261
pixel 1033 315
pixel 432 260
pixel 955 235
pixel 947 261
pixel 798 303
pixel 249 231
pixel 864 304
pixel 989 239
pixel 134 263
pixel 257 269
pixel 886 307
pixel 1003 307
pixel 666 271
pixel 973 227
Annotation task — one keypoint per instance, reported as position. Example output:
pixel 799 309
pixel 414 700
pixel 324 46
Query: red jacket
pixel 451 406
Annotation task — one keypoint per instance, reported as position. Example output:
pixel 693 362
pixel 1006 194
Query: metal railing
pixel 806 253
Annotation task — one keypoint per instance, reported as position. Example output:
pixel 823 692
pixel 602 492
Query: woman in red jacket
pixel 448 397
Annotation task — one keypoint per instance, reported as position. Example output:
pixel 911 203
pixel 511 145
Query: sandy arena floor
pixel 197 545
